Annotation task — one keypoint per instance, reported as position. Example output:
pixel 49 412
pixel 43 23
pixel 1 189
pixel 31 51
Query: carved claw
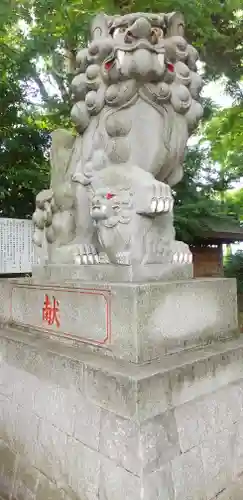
pixel 86 254
pixel 181 254
pixel 155 199
pixel 182 258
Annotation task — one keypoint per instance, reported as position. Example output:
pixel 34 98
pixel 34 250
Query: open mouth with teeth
pixel 119 54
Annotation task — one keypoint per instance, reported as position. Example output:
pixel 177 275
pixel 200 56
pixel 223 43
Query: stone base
pixel 80 426
pixel 133 322
pixel 114 273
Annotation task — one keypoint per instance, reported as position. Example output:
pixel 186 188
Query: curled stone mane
pixel 167 72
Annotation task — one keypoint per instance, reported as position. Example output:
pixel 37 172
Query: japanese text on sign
pixel 17 253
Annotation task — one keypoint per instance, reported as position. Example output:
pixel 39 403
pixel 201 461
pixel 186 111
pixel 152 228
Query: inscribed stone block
pixel 132 321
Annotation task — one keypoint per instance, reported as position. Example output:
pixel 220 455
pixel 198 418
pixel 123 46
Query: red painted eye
pixel 109 196
pixel 170 67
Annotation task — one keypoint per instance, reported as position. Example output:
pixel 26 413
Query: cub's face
pixel 109 207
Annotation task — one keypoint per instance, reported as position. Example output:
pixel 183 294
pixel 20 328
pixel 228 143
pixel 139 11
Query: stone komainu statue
pixel 136 92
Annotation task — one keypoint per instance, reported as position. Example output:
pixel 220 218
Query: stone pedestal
pixel 130 321
pixel 120 390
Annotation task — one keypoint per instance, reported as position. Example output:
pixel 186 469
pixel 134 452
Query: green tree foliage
pixel 234 201
pixel 23 142
pixel 199 204
pixel 225 133
pixel 225 130
pixel 55 28
pixel 233 268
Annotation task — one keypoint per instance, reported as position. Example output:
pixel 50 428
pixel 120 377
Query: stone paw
pixel 181 254
pixel 86 254
pixel 182 258
pixel 155 199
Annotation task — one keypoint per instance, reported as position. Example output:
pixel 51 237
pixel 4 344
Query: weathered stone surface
pixel 120 441
pixel 47 490
pixel 154 395
pixel 87 422
pixel 115 393
pixel 83 470
pixel 134 322
pixel 26 481
pixel 159 485
pixel 237 448
pixel 8 466
pixel 116 482
pixel 19 428
pixel 204 417
pixel 207 375
pixel 139 448
pixel 57 405
pixel 51 452
pixel 234 491
pixel 159 442
pixel 5 295
pixel 217 457
pixel 110 430
pixel 112 273
pixel 188 476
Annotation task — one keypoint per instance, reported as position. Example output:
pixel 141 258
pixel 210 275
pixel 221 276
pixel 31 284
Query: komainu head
pixel 150 53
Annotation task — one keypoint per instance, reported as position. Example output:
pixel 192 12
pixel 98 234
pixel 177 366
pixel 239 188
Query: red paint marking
pixel 108 64
pixel 50 313
pixel 109 196
pixel 106 294
pixel 170 67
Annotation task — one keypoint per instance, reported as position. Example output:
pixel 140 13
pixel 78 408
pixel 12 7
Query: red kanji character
pixel 50 312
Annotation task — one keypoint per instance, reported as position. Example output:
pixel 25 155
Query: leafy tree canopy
pixel 225 133
pixel 200 201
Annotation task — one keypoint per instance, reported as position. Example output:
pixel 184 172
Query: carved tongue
pixel 108 65
pixel 109 62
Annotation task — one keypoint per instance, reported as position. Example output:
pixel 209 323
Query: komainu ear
pixel 175 24
pixel 100 26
